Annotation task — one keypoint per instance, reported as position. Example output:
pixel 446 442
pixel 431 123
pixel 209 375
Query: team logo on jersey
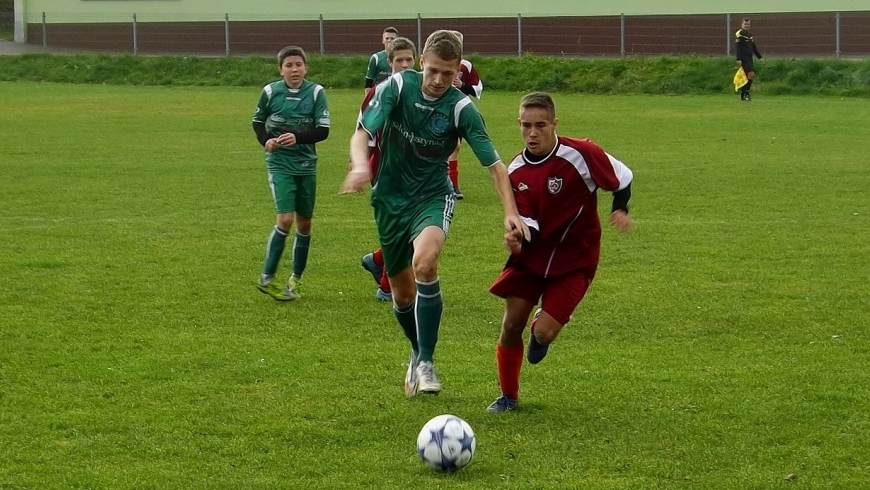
pixel 554 185
pixel 439 123
pixel 306 105
pixel 522 186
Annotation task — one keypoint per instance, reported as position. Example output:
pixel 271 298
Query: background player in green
pixel 379 69
pixel 291 116
pixel 421 115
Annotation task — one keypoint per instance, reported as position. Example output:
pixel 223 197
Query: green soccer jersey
pixel 379 69
pixel 418 135
pixel 287 110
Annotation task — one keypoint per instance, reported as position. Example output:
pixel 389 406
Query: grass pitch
pixel 723 344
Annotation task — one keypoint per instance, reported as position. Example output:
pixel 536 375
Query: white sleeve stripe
pixel 268 90
pixel 317 90
pixel 531 223
pixel 623 173
pixel 400 82
pixel 515 164
pixel 576 159
pixel 478 89
pixel 457 109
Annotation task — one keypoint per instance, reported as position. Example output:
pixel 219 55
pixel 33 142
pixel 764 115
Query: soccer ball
pixel 446 443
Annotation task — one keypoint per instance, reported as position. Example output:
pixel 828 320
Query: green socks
pixel 405 315
pixel 429 308
pixel 274 249
pixel 300 254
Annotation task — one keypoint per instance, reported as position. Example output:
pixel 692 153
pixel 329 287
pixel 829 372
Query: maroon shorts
pixel 559 296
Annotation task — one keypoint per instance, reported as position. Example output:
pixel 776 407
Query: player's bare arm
pixel 358 175
pixel 501 182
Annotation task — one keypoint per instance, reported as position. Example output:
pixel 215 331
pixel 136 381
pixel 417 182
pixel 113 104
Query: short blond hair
pixel 443 44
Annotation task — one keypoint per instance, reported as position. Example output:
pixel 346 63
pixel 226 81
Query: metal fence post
pixel 727 34
pixel 419 32
pixel 227 33
pixel 322 34
pixel 838 34
pixel 135 37
pixel 622 34
pixel 519 34
pixel 44 33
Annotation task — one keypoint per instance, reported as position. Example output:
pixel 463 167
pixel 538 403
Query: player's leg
pixel 374 266
pixel 397 253
pixel 385 291
pixel 453 172
pixel 427 249
pixel 521 292
pixel 282 196
pixel 560 299
pixel 404 308
pixel 750 75
pixel 306 191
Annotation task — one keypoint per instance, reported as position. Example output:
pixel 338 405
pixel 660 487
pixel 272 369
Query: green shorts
pixel 397 229
pixel 293 193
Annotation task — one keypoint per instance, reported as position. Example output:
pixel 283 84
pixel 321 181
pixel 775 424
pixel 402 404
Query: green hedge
pixel 630 75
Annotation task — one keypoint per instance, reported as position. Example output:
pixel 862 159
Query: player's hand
pixel 457 82
pixel 621 221
pixel 356 180
pixel 739 63
pixel 761 60
pixel 513 241
pixel 272 144
pixel 287 139
pixel 513 222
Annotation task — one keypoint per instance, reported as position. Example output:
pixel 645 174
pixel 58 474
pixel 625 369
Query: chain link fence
pixel 829 34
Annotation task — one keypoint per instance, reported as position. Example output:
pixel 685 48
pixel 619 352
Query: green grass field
pixel 723 344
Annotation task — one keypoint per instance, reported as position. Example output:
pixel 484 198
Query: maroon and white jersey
pixel 556 196
pixel 471 83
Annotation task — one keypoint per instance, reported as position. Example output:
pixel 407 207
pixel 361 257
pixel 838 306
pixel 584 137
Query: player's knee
pixel 403 299
pixel 426 269
pixel 546 334
pixel 513 328
pixel 284 221
pixel 303 225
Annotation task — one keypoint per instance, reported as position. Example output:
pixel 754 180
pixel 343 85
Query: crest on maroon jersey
pixel 554 184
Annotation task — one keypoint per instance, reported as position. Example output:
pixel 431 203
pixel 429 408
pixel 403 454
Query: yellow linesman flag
pixel 740 79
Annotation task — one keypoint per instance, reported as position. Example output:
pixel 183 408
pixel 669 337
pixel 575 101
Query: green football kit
pixel 292 168
pixel 418 134
pixel 379 68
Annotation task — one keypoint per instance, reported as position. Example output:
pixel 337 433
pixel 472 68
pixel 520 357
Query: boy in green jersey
pixel 378 68
pixel 421 116
pixel 291 116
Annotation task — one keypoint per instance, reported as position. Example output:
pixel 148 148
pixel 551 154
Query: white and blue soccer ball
pixel 446 443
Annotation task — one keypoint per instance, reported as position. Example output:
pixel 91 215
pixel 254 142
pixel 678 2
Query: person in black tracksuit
pixel 746 48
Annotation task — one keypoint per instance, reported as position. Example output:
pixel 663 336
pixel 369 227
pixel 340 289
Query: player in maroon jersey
pixel 468 82
pixel 401 55
pixel 554 181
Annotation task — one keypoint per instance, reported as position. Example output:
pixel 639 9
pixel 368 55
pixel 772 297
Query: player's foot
pixel 368 263
pixel 502 404
pixel 457 194
pixel 411 375
pixel 293 289
pixel 382 295
pixel 273 290
pixel 748 97
pixel 427 380
pixel 536 351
